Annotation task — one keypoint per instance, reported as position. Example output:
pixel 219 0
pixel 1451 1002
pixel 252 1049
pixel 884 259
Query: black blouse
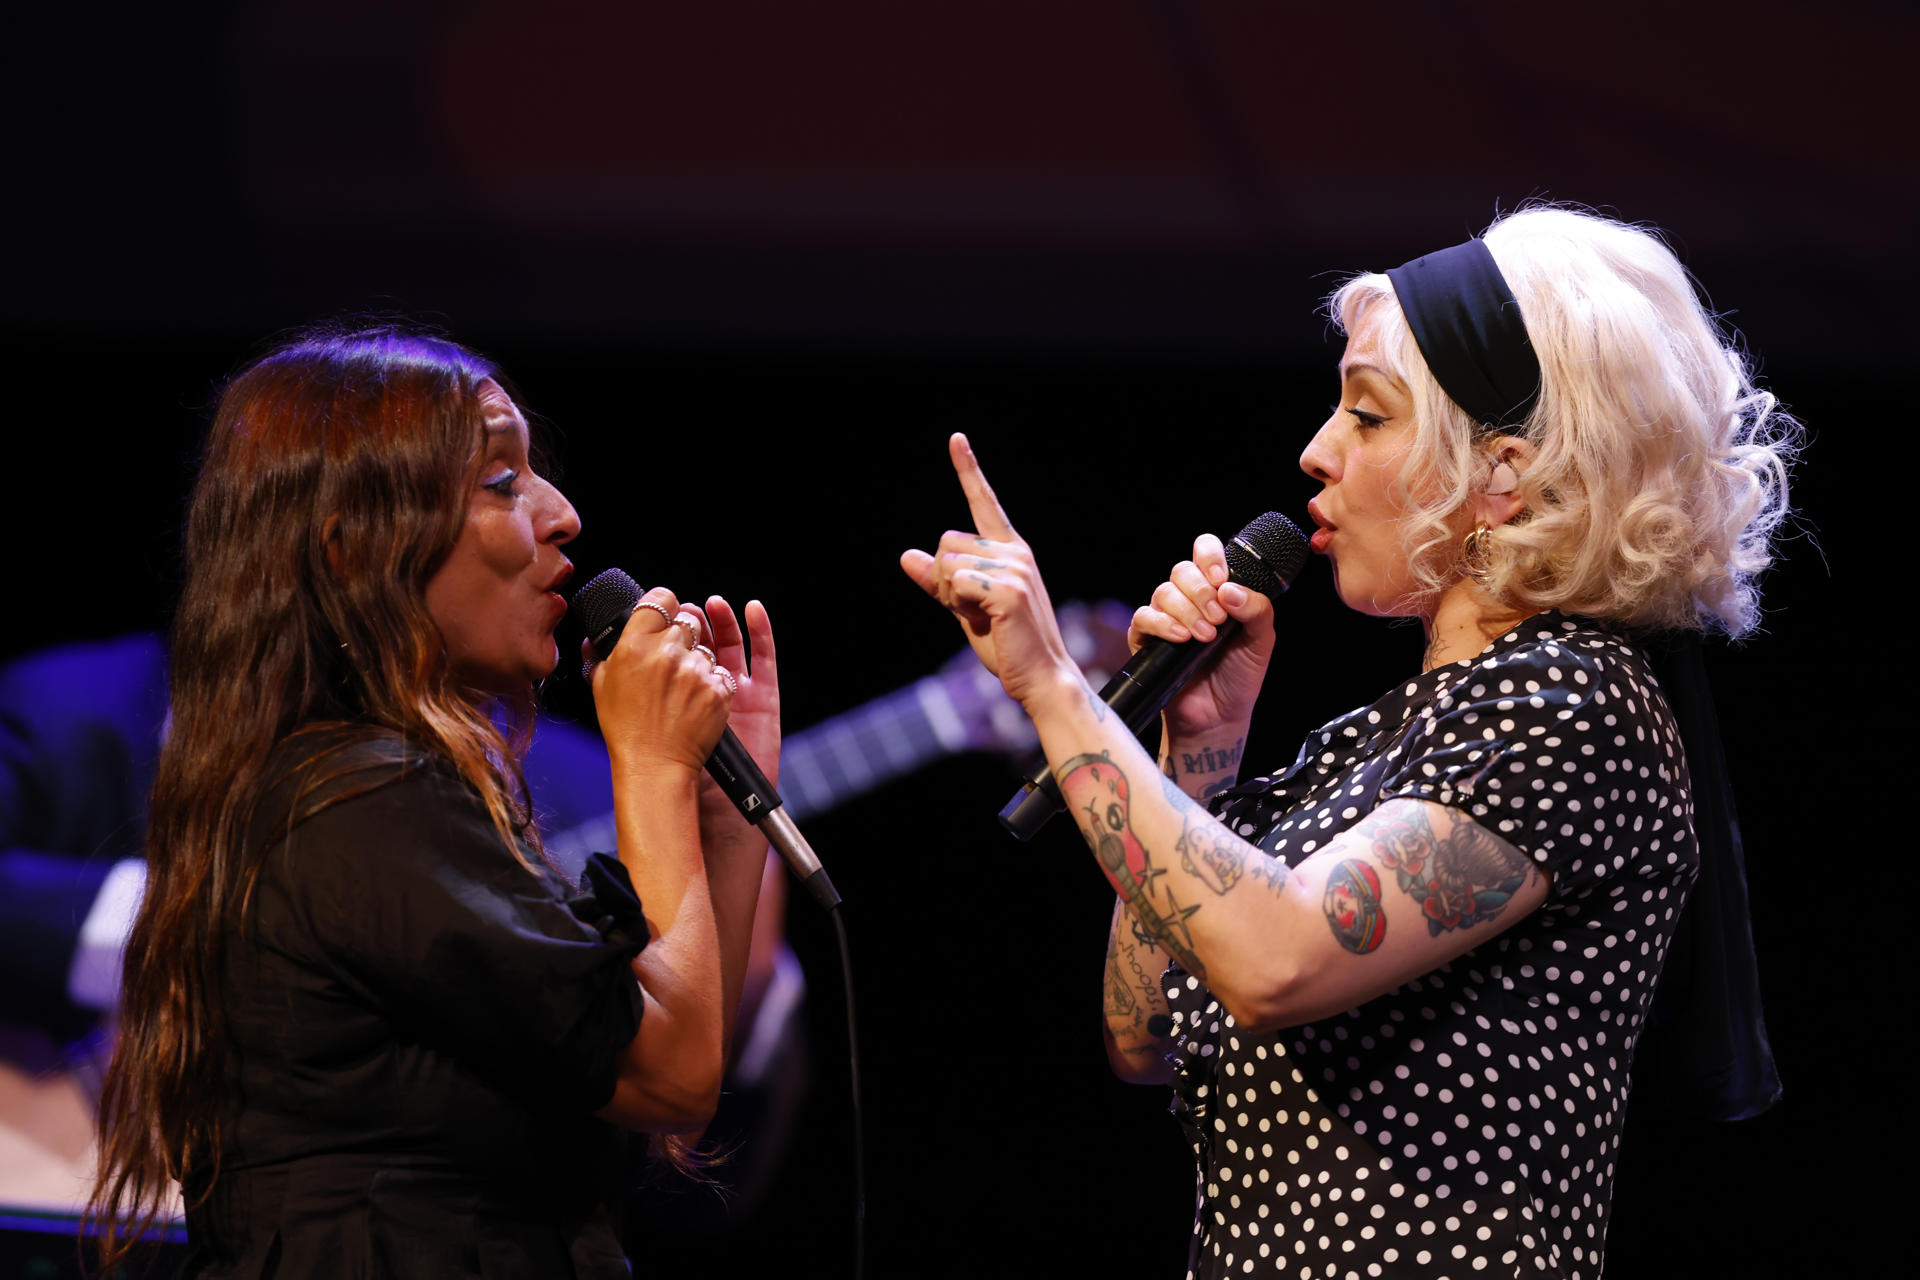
pixel 420 1030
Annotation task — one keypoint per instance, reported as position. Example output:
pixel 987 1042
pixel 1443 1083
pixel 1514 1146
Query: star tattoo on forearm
pixel 1098 794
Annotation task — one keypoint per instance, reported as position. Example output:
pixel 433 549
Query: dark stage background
pixel 751 262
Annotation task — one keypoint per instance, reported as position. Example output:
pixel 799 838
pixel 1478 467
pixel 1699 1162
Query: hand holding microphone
pixel 605 607
pixel 674 689
pixel 1202 603
pixel 1263 558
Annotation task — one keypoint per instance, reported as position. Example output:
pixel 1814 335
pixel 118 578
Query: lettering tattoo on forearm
pixel 1122 1008
pixel 1215 769
pixel 1133 993
pixel 1213 759
pixel 1460 878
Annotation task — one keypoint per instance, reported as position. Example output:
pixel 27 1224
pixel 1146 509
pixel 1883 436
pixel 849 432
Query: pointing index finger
pixel 989 520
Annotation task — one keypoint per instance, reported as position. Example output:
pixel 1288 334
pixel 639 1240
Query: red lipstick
pixel 1323 536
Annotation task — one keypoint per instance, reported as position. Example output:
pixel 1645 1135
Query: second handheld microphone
pixel 1262 557
pixel 602 608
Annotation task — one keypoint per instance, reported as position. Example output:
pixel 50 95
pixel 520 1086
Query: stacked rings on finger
pixel 657 608
pixel 700 648
pixel 691 627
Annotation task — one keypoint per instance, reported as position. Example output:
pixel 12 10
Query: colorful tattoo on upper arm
pixel 1352 904
pixel 1460 877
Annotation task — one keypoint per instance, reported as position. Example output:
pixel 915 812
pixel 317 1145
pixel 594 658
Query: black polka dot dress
pixel 1467 1123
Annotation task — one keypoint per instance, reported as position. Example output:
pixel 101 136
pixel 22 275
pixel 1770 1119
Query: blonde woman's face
pixel 496 598
pixel 1358 456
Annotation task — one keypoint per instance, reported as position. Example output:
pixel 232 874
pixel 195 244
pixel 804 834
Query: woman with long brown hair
pixel 366 1027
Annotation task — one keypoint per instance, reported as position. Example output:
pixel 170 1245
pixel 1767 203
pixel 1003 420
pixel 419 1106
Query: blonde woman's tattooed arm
pixel 1409 887
pixel 1272 954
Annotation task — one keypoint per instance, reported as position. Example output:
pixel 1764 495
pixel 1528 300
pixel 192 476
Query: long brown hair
pixel 333 486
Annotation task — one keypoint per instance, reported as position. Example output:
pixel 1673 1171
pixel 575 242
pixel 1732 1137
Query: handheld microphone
pixel 602 608
pixel 1262 557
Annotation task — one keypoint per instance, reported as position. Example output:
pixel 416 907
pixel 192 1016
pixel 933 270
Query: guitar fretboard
pixel 851 754
pixel 835 760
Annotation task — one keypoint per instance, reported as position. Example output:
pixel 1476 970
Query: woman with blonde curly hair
pixel 1398 986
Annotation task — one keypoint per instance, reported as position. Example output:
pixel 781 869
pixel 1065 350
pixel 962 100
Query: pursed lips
pixel 1324 534
pixel 552 590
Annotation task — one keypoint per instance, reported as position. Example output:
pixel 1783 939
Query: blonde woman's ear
pixel 1500 500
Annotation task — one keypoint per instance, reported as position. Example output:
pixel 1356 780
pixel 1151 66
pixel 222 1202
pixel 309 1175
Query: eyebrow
pixel 1348 370
pixel 504 428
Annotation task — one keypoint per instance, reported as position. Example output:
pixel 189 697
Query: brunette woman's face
pixel 1358 456
pixel 496 598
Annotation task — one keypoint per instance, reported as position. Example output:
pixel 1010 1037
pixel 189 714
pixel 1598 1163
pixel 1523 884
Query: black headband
pixel 1469 328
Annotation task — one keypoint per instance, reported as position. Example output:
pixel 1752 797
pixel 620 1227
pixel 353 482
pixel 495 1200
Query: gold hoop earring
pixel 1476 550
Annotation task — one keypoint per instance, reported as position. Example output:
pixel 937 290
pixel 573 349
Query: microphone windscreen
pixel 1267 554
pixel 602 606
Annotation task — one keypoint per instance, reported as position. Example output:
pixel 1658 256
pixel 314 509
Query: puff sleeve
pixel 406 896
pixel 1566 748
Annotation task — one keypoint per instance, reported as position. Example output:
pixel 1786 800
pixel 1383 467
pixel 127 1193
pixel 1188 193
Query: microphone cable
pixel 859 1119
pixel 603 607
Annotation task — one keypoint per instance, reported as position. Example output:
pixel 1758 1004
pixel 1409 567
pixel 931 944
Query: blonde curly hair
pixel 1659 470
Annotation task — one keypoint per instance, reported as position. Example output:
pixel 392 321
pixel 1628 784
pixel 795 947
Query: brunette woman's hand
pixel 661 700
pixel 755 712
pixel 989 581
pixel 1191 604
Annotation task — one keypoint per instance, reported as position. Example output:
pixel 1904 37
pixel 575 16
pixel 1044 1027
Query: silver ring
pixel 733 686
pixel 691 627
pixel 657 608
pixel 700 648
